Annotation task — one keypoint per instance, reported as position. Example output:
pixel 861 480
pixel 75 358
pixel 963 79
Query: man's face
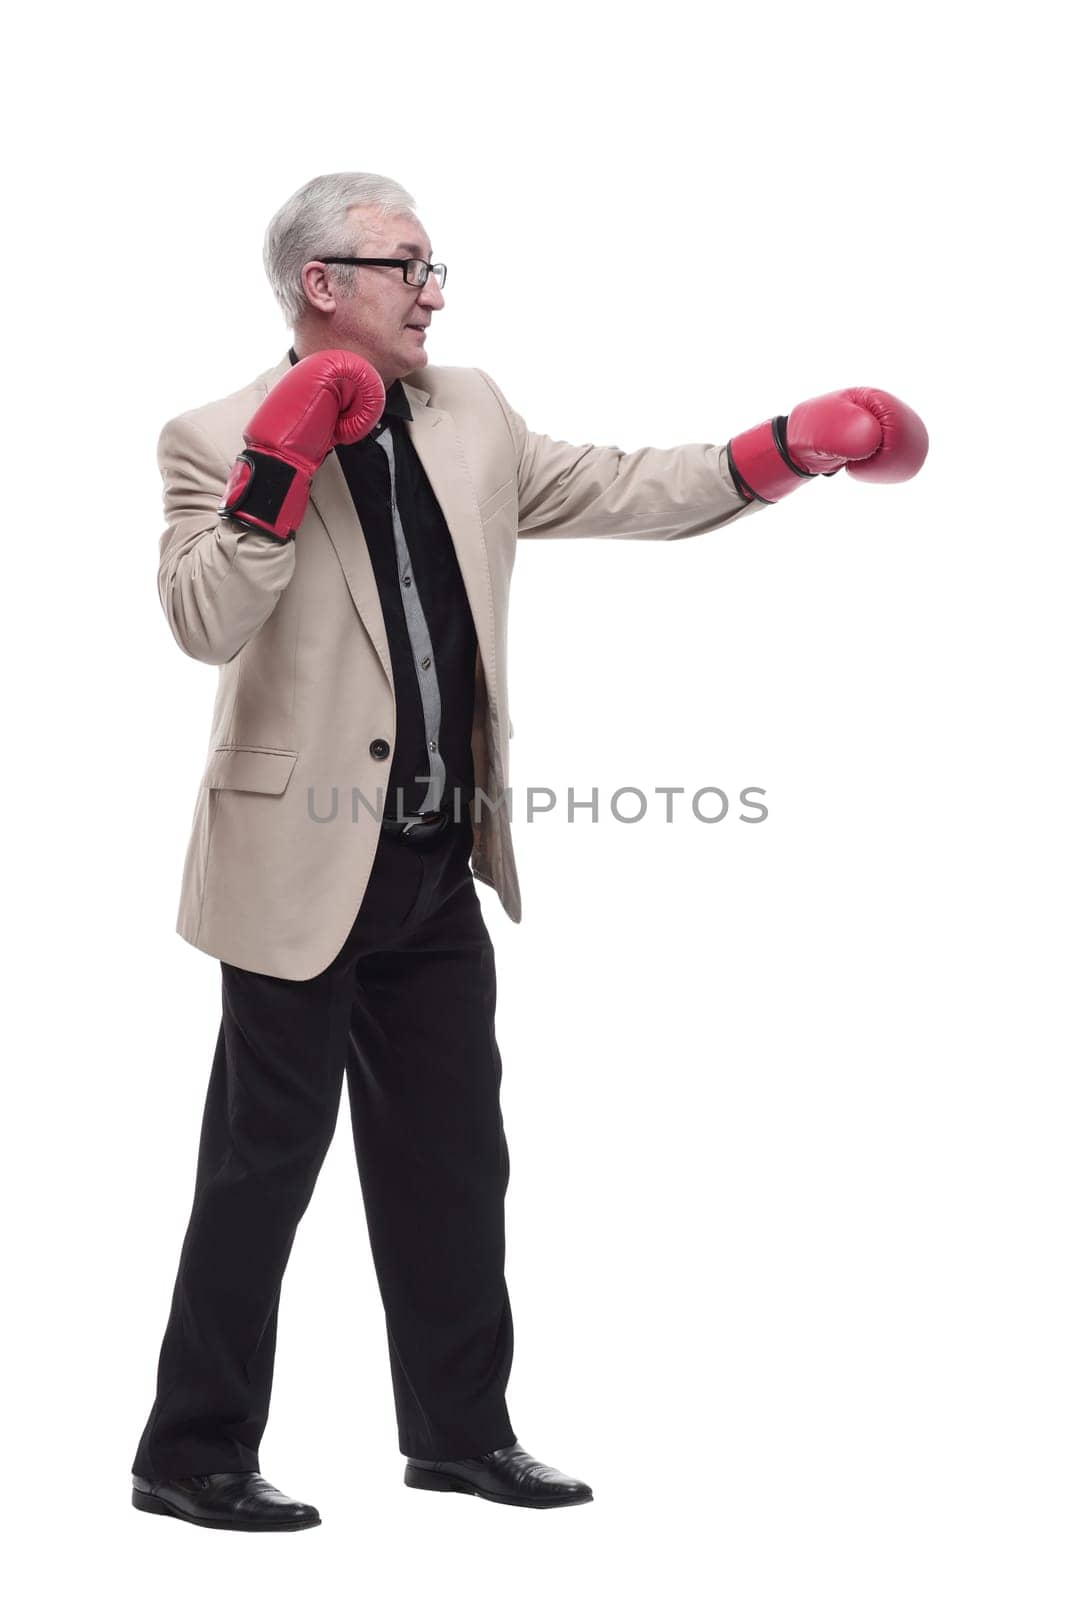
pixel 376 320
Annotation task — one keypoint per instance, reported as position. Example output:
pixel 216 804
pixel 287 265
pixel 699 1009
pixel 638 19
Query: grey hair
pixel 314 222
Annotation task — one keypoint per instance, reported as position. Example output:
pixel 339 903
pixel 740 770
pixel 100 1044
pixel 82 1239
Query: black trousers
pixel 406 1009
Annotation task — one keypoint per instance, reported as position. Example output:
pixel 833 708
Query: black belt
pixel 417 830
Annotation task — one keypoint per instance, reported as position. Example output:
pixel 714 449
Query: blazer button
pixel 379 749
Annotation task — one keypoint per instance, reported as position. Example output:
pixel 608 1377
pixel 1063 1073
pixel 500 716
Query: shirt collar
pixel 397 403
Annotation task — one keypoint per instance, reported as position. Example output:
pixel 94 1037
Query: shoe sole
pixel 161 1508
pixel 443 1483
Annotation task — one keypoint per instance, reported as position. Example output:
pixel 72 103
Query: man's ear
pixel 316 281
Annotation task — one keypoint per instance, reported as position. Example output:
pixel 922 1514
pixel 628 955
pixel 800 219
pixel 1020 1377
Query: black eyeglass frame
pixel 436 267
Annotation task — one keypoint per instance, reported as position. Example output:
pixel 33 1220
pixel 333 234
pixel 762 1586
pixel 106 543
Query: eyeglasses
pixel 415 271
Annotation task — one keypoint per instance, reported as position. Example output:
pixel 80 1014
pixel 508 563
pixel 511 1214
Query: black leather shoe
pixel 510 1476
pixel 242 1500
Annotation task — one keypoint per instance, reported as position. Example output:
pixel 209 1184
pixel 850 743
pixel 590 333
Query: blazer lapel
pixel 333 502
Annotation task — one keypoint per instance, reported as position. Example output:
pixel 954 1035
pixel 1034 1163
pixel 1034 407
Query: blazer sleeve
pixel 590 491
pixel 218 581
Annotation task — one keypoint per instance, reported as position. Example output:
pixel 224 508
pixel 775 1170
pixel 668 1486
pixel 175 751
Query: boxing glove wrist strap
pixel 760 464
pixel 265 492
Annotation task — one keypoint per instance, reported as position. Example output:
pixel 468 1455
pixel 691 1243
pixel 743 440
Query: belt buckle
pixel 425 824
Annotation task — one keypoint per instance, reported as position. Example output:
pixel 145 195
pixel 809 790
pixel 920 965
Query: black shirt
pixel 443 597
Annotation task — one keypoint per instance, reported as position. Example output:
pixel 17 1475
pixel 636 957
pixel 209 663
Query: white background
pixel 785 1103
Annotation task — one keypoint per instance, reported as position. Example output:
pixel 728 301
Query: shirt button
pixel 433 744
pixel 424 663
pixel 379 749
pixel 406 582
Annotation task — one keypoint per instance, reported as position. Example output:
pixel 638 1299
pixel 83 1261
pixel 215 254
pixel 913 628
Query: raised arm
pixel 228 551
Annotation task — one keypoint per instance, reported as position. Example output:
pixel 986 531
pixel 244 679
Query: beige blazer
pixel 273 880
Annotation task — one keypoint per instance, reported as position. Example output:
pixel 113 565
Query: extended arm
pixel 600 492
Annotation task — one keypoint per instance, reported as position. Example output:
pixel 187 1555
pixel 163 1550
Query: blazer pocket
pixel 250 767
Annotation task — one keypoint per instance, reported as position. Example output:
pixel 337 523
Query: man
pixel 339 542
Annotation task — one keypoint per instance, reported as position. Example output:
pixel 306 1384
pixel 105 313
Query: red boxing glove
pixel 331 397
pixel 871 433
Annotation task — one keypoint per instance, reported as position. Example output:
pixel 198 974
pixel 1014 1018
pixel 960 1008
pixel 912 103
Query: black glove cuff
pixel 263 496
